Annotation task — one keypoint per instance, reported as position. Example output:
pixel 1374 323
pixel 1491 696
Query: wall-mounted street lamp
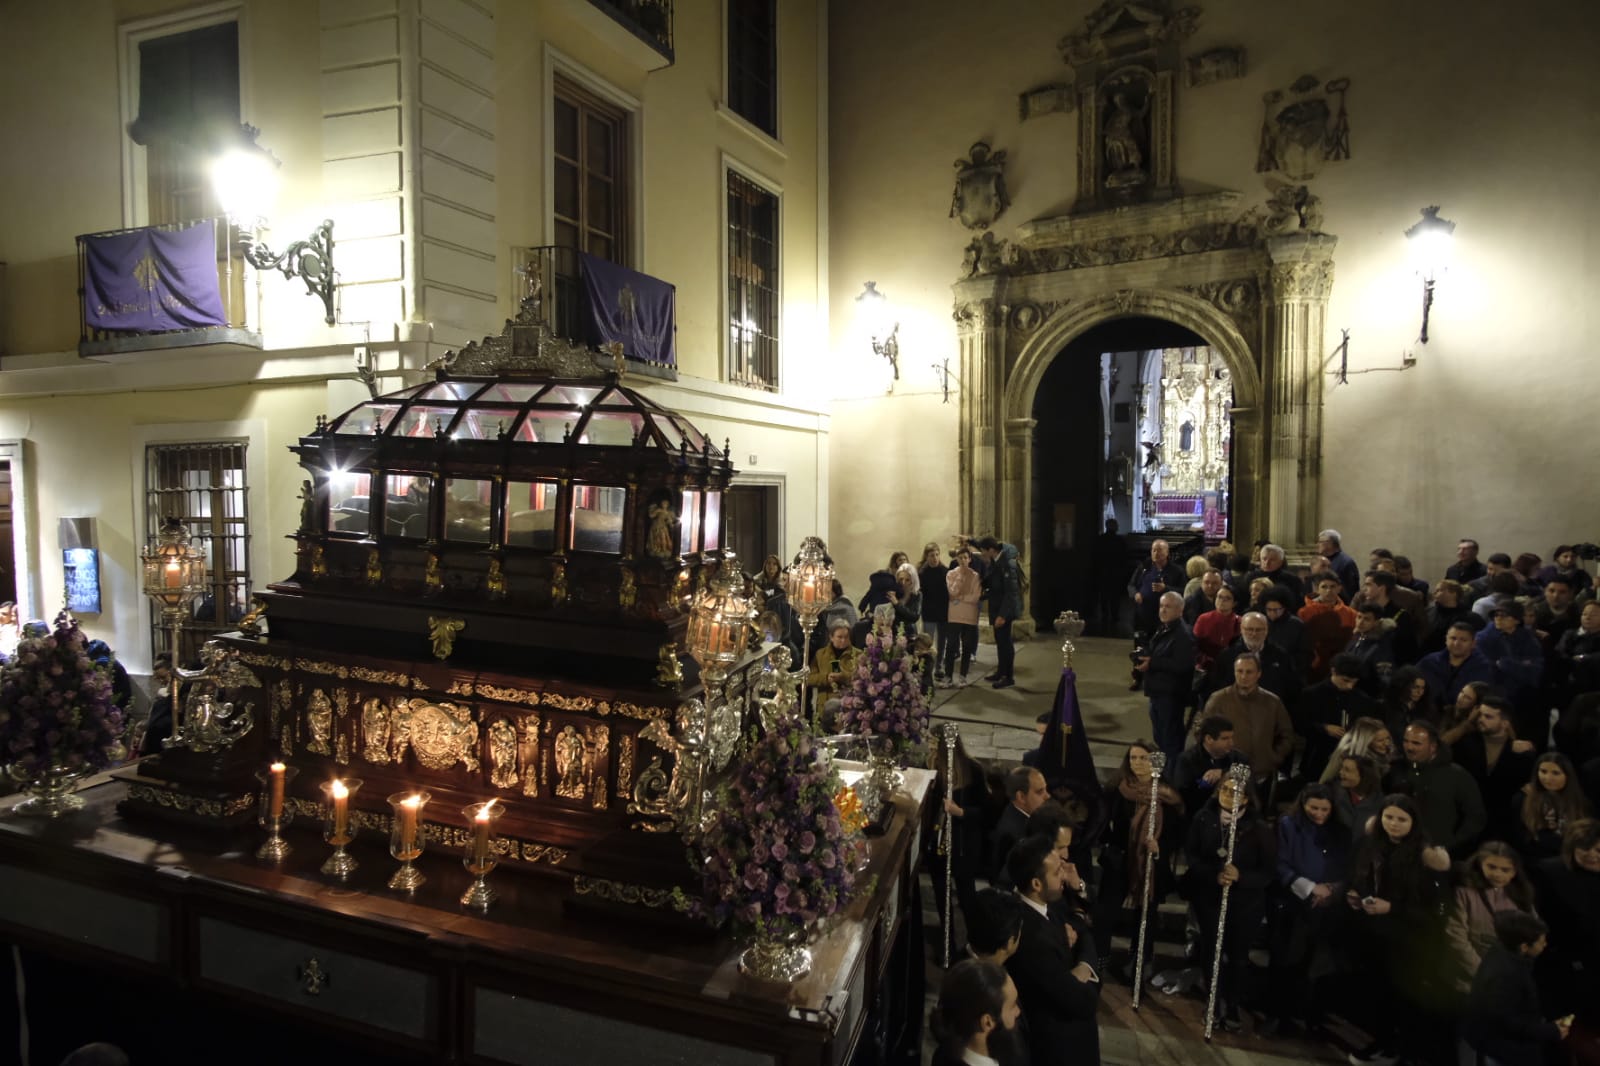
pixel 1430 243
pixel 246 180
pixel 873 306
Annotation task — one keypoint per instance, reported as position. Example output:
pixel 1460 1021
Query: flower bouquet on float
pixel 886 707
pixel 777 860
pixel 58 723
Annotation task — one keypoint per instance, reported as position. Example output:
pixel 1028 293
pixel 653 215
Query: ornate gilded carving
pixel 375 732
pixel 281 697
pixel 1206 237
pixel 530 744
pixel 650 797
pixel 1300 129
pixel 625 752
pixel 312 666
pixel 669 671
pixel 628 590
pixel 659 733
pixel 374 570
pixel 1218 64
pixel 381 677
pixel 1196 392
pixel 442 631
pixel 580 761
pixel 568 703
pixel 980 194
pixel 619 892
pixel 459 687
pixel 441 734
pixel 558 584
pixel 250 624
pixel 341 748
pixel 494 582
pixel 504 695
pixel 319 561
pixel 255 658
pixel 447 836
pixel 630 710
pixel 432 576
pixel 196 805
pixel 319 719
pixel 525 343
pixel 503 754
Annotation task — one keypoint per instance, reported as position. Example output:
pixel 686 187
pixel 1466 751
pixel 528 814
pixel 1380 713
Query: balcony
pixel 569 309
pixel 640 30
pixel 151 279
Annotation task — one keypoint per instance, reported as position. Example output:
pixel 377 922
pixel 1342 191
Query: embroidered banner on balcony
pixel 634 308
pixel 151 280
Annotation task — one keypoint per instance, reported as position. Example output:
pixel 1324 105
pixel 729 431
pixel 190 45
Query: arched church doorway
pixel 1131 421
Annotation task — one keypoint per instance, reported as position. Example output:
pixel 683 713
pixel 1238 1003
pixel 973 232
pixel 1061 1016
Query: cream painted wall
pixel 1489 114
pixel 83 452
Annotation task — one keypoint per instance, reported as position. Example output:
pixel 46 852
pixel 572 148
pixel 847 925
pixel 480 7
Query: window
pixel 466 509
pixel 590 178
pixel 597 518
pixel 752 284
pixel 753 62
pixel 203 486
pixel 405 508
pixel 530 514
pixel 188 107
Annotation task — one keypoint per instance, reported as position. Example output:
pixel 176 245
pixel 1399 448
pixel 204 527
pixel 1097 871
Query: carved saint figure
pixel 319 717
pixel 495 581
pixel 669 672
pixel 374 568
pixel 558 584
pixel 571 756
pixel 503 751
pixel 308 508
pixel 375 731
pixel 432 577
pixel 661 544
pixel 628 593
pixel 1124 136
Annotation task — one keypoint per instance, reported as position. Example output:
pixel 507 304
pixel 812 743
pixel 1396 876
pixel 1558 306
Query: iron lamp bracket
pixel 310 260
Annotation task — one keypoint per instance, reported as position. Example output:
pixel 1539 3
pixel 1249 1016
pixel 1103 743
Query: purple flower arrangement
pixel 775 857
pixel 885 697
pixel 55 706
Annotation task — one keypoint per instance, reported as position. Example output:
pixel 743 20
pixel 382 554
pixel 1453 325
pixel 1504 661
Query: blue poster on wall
pixel 81 566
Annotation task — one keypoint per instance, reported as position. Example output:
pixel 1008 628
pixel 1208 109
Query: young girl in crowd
pixel 1248 874
pixel 1313 861
pixel 1395 887
pixel 965 588
pixel 907 600
pixel 1406 697
pixel 935 603
pixel 1215 629
pixel 1127 836
pixel 1357 792
pixel 1550 802
pixel 1492 881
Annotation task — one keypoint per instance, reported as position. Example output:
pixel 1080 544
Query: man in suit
pixel 1059 997
pixel 1027 791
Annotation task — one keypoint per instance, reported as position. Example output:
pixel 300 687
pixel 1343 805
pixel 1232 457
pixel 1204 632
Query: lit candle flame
pixel 339 790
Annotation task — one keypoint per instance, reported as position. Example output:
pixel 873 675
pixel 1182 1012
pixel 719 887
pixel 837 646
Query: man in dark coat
pixel 1285 629
pixel 1502 1021
pixel 1466 569
pixel 1325 711
pixel 1168 670
pixel 1272 567
pixel 1027 792
pixel 1447 797
pixel 1003 589
pixel 1154 579
pixel 1330 544
pixel 1059 997
pixel 1457 666
pixel 1278 675
pixel 1203 765
pixel 1499 764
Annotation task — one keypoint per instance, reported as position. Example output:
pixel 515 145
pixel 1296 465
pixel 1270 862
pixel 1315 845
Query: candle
pixel 480 834
pixel 173 576
pixel 276 770
pixel 408 822
pixel 341 809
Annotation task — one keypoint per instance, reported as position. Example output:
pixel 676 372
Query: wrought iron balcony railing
pixel 95 340
pixel 648 20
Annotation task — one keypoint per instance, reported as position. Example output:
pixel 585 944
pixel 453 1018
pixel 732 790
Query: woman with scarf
pixel 1313 859
pixel 1248 874
pixel 1394 900
pixel 1127 842
pixel 1547 804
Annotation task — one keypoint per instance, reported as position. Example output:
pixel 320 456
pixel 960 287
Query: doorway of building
pixel 753 530
pixel 1132 423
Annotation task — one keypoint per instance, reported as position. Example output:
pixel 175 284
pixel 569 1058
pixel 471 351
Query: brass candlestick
pixel 274 813
pixel 478 857
pixel 338 828
pixel 405 838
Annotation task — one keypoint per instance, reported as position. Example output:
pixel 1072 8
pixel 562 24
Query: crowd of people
pixel 1412 843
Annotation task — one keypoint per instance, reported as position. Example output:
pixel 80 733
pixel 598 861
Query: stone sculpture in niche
pixel 1302 127
pixel 980 195
pixel 1127 135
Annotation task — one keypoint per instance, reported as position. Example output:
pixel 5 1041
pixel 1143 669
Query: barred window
pixel 753 62
pixel 752 284
pixel 202 484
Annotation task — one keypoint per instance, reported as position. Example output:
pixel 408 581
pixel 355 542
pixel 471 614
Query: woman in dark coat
pixel 1569 899
pixel 1395 898
pixel 1248 874
pixel 1313 861
pixel 1125 844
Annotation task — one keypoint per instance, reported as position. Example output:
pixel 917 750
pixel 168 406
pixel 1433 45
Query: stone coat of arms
pixel 980 196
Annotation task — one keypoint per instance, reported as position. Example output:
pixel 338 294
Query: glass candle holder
pixel 478 853
pixel 338 824
pixel 274 812
pixel 405 837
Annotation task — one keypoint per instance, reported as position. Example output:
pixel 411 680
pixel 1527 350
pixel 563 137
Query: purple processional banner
pixel 633 308
pixel 151 280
